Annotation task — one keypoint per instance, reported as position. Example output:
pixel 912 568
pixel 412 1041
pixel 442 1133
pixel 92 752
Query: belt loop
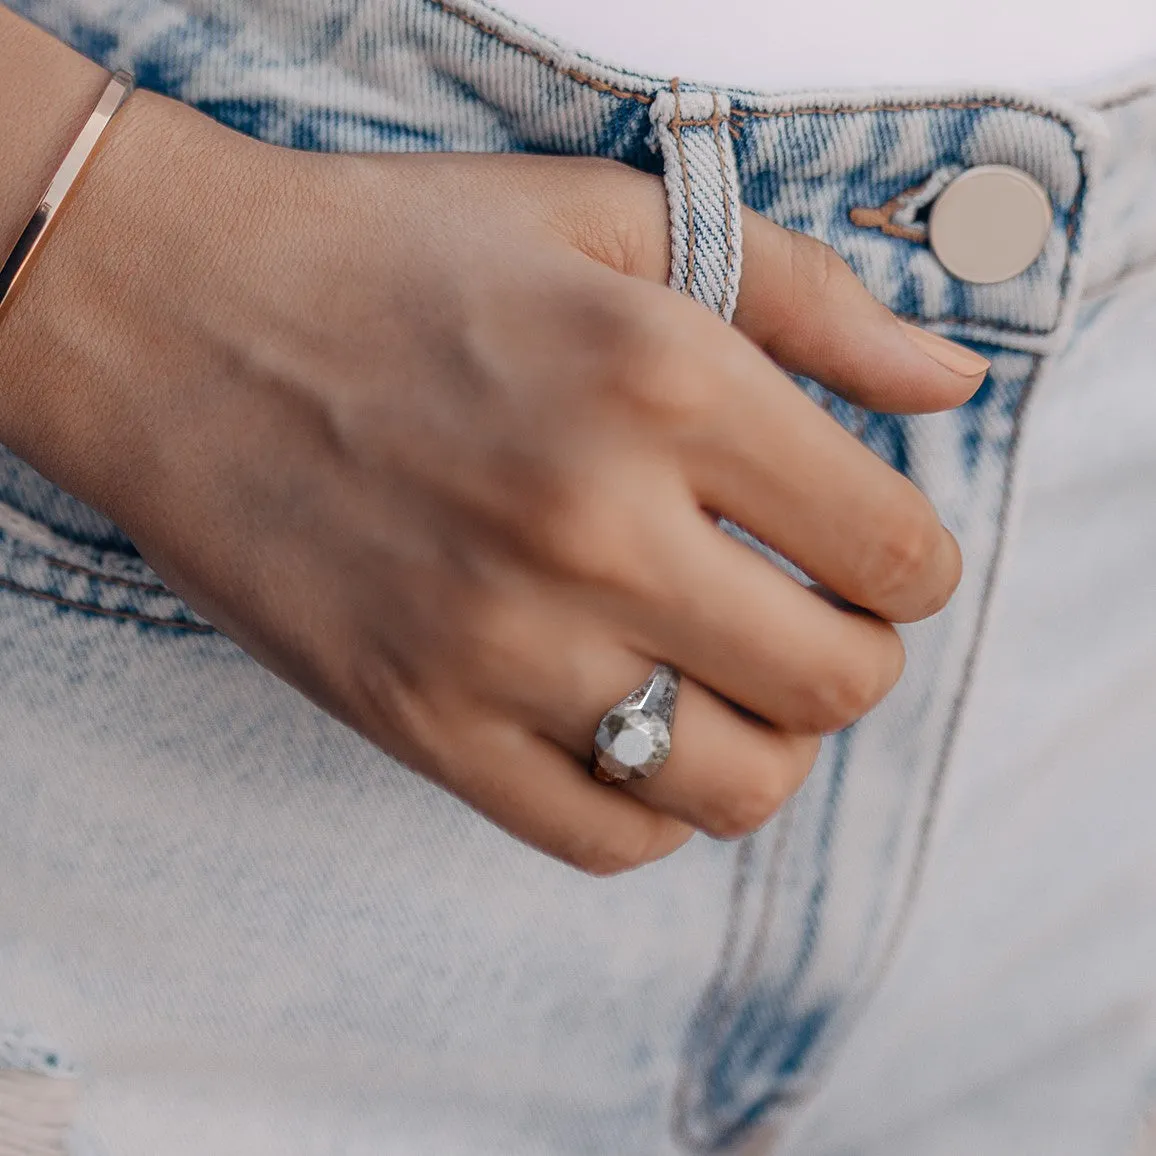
pixel 692 130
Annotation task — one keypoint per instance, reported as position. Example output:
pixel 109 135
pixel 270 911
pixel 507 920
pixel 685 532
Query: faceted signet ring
pixel 633 738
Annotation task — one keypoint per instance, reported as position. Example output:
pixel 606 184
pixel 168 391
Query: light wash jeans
pixel 229 927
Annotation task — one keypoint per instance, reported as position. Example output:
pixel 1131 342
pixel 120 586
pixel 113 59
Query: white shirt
pixel 782 45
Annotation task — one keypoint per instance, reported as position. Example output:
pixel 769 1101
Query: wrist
pixel 109 312
pixel 48 93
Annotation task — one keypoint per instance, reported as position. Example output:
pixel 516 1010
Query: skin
pixel 443 446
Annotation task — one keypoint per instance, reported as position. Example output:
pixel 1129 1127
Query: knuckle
pixel 624 239
pixel 489 647
pixel 815 278
pixel 625 226
pixel 389 700
pixel 802 754
pixel 597 541
pixel 746 810
pixel 816 269
pixel 567 529
pixel 555 520
pixel 654 377
pixel 605 857
pixel 840 700
pixel 650 360
pixel 850 690
pixel 626 847
pixel 899 561
pixel 952 578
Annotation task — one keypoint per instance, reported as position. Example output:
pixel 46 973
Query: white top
pixel 780 45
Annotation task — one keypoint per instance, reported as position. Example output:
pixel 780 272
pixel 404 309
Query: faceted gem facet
pixel 631 743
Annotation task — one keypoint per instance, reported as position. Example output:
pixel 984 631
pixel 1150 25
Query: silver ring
pixel 633 738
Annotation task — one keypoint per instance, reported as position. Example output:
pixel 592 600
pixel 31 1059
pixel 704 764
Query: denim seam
pixel 107 579
pixel 728 223
pixel 979 323
pixel 1128 273
pixel 1141 92
pixel 717 1002
pixel 590 81
pixel 982 623
pixel 677 126
pixel 698 170
pixel 104 611
pixel 913 106
pixel 857 1004
pixel 542 57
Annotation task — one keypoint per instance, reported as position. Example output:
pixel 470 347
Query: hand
pixel 429 437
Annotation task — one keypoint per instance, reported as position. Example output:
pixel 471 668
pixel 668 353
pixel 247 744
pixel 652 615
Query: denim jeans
pixel 229 926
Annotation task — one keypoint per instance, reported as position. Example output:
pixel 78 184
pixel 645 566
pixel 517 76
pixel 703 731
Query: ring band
pixel 633 738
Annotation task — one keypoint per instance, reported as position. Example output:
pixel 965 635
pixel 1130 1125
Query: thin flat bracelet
pixel 115 94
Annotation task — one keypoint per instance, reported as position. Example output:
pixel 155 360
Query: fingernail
pixel 958 358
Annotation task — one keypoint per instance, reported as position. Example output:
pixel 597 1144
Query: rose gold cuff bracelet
pixel 35 232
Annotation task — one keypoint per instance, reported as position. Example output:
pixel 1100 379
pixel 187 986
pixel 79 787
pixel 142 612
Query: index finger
pixel 803 305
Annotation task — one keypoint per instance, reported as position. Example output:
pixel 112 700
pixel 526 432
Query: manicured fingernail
pixel 958 358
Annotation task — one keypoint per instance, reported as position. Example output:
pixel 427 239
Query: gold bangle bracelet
pixel 115 94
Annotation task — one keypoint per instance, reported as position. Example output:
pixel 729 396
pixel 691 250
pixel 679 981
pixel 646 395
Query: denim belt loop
pixel 692 130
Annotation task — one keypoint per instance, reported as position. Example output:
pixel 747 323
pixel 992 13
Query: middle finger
pixel 769 458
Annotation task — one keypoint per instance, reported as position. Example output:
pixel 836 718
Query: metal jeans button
pixel 990 224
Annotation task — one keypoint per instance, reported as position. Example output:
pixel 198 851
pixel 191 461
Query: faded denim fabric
pixel 247 932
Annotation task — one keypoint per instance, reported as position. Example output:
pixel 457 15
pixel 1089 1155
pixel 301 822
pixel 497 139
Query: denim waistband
pixel 431 75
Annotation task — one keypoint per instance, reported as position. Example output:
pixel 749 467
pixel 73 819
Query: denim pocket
pixel 36 562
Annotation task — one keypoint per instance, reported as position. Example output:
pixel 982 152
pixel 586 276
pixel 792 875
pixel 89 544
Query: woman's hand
pixel 429 437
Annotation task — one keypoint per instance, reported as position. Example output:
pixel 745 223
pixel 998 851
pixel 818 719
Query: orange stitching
pixel 99 575
pixel 711 122
pixel 866 217
pixel 109 579
pixel 104 611
pixel 689 282
pixel 916 106
pixel 728 223
pixel 541 57
pixel 880 219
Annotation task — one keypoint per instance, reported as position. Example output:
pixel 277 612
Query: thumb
pixel 800 302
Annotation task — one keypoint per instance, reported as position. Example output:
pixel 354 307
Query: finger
pixel 727 773
pixel 737 624
pixel 802 304
pixel 766 456
pixel 541 795
pixel 798 300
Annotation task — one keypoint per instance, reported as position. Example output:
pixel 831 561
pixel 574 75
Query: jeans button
pixel 990 224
